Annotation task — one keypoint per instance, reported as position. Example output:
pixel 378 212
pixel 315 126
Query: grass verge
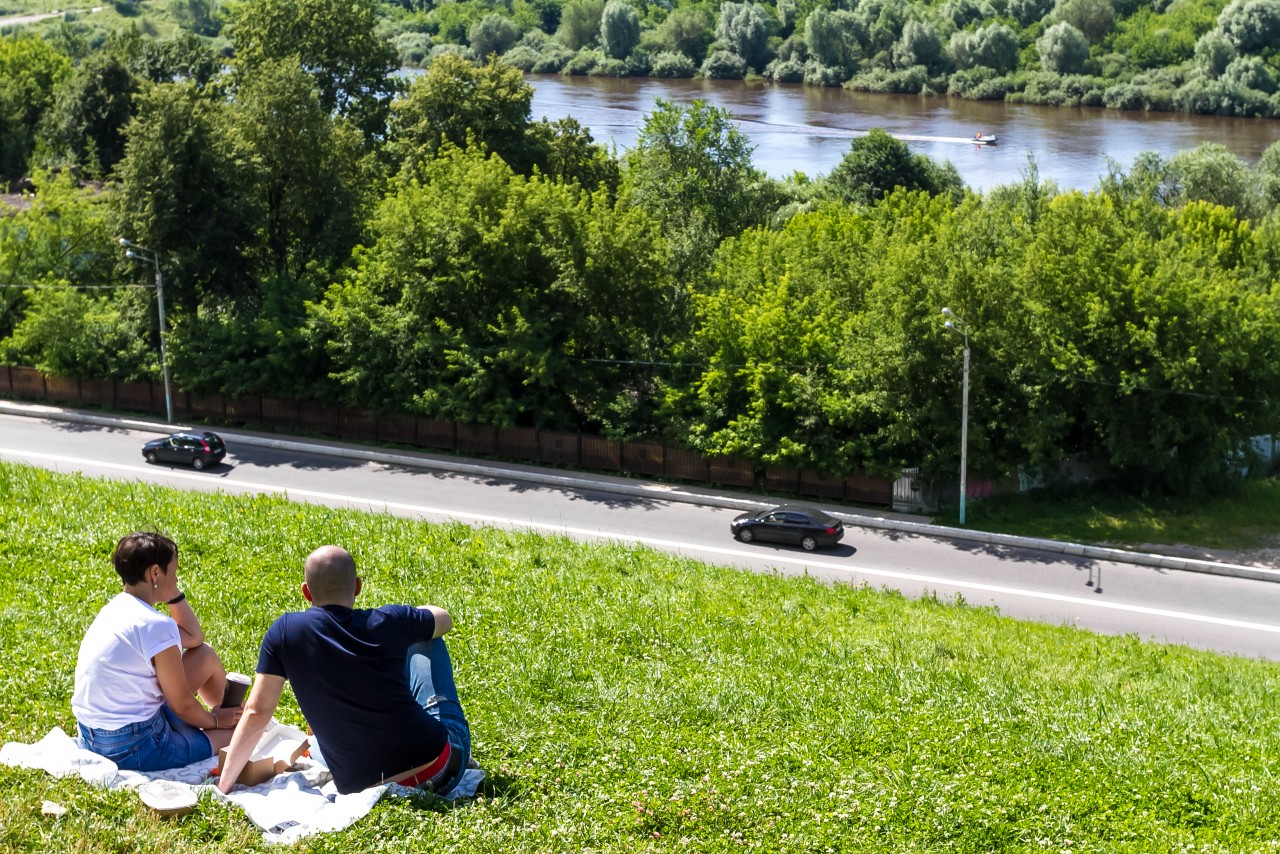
pixel 1249 518
pixel 626 700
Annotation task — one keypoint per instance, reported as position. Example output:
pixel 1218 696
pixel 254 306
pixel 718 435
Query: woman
pixel 139 672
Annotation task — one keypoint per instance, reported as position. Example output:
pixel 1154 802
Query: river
pixel 808 129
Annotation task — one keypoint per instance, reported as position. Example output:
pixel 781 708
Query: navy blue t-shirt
pixel 347 668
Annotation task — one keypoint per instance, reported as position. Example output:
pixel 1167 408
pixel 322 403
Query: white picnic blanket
pixel 286 808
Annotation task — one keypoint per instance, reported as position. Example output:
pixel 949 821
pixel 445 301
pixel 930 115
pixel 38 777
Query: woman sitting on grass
pixel 138 671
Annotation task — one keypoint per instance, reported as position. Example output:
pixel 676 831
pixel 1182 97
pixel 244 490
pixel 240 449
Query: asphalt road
pixel 1207 611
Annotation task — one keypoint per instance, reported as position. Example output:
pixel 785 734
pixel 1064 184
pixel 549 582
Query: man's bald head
pixel 330 573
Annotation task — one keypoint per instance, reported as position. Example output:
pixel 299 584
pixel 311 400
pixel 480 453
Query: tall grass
pixel 622 699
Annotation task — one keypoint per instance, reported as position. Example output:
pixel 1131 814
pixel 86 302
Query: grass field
pixel 625 700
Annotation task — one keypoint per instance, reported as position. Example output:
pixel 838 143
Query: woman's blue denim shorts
pixel 162 741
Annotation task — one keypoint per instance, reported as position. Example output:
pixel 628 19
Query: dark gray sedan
pixel 791 524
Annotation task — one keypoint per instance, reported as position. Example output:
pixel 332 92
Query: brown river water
pixel 808 129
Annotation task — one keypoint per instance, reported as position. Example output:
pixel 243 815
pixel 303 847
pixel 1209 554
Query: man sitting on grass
pixel 376 686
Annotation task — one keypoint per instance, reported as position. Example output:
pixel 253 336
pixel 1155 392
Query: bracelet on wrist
pixel 176 599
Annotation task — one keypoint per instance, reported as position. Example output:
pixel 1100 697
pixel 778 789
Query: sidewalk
pixel 884 520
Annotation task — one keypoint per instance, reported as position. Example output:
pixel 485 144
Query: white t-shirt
pixel 116 681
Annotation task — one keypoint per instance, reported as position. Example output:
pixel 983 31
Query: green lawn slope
pixel 626 700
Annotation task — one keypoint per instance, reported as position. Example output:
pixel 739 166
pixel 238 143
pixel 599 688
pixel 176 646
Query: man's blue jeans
pixel 429 672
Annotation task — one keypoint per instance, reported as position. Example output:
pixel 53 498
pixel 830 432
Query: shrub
pixel 1071 90
pixel 582 63
pixel 909 80
pixel 610 66
pixel 672 64
pixel 817 74
pixel 522 56
pixel 724 65
pixel 981 84
pixel 553 58
pixel 785 71
pixel 412 48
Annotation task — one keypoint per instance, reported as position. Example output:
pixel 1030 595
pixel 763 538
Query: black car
pixel 789 523
pixel 195 449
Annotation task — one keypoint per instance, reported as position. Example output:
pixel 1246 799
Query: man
pixel 376 686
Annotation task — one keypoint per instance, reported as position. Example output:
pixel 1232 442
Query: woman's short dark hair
pixel 136 552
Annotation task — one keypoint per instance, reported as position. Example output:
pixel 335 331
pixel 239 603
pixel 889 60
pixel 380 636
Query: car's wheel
pixel 745 535
pixel 197 463
pixel 808 544
pixel 151 457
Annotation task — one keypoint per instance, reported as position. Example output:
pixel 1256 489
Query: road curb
pixel 661 491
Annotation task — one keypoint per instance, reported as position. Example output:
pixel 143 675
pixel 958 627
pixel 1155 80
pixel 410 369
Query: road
pixel 1206 611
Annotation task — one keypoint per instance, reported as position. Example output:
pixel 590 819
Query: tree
pixel 686 30
pixel 877 164
pixel 833 38
pixel 745 29
pixel 1063 49
pixel 691 170
pixel 336 41
pixel 183 190
pixel 1214 52
pixel 1252 26
pixel 456 101
pixel 308 175
pixel 198 16
pixel 495 33
pixel 580 23
pixel 1093 18
pixel 86 123
pixel 492 298
pixel 76 335
pixel 619 29
pixel 1211 173
pixel 919 45
pixel 30 73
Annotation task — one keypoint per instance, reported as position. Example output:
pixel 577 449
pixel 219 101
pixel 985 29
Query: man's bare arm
pixel 443 621
pixel 262 703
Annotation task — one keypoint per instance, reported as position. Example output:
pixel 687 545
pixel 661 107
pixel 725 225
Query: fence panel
pixel 601 453
pixel 731 471
pixel 357 424
pixel 644 458
pixel 561 448
pixel 397 428
pixel 685 464
pixel 821 485
pixel 209 406
pixel 28 383
pixel 244 409
pixel 434 433
pixel 868 489
pixel 97 393
pixel 477 438
pixel 134 396
pixel 520 443
pixel 784 478
pixel 280 413
pixel 61 390
pixel 319 417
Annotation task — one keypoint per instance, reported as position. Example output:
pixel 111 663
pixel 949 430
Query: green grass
pixel 1246 519
pixel 626 700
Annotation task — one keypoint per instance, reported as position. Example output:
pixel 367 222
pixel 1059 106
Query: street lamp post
pixel 955 324
pixel 135 252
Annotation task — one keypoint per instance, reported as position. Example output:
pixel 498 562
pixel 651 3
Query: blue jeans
pixel 160 742
pixel 429 672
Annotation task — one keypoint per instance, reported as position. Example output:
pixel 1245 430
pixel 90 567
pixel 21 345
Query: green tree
pixel 1063 49
pixel 687 30
pixel 1252 26
pixel 495 33
pixel 1211 173
pixel 493 298
pixel 619 28
pixel 86 124
pixel 183 190
pixel 336 41
pixel 691 169
pixel 745 29
pixel 30 73
pixel 877 164
pixel 77 335
pixel 580 23
pixel 456 101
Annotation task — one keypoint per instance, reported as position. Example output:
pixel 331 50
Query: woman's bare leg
pixel 205 673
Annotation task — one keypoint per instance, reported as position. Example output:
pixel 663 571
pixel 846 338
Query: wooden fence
pixel 527 444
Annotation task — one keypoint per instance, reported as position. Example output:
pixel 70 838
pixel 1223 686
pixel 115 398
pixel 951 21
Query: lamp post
pixel 135 252
pixel 955 324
